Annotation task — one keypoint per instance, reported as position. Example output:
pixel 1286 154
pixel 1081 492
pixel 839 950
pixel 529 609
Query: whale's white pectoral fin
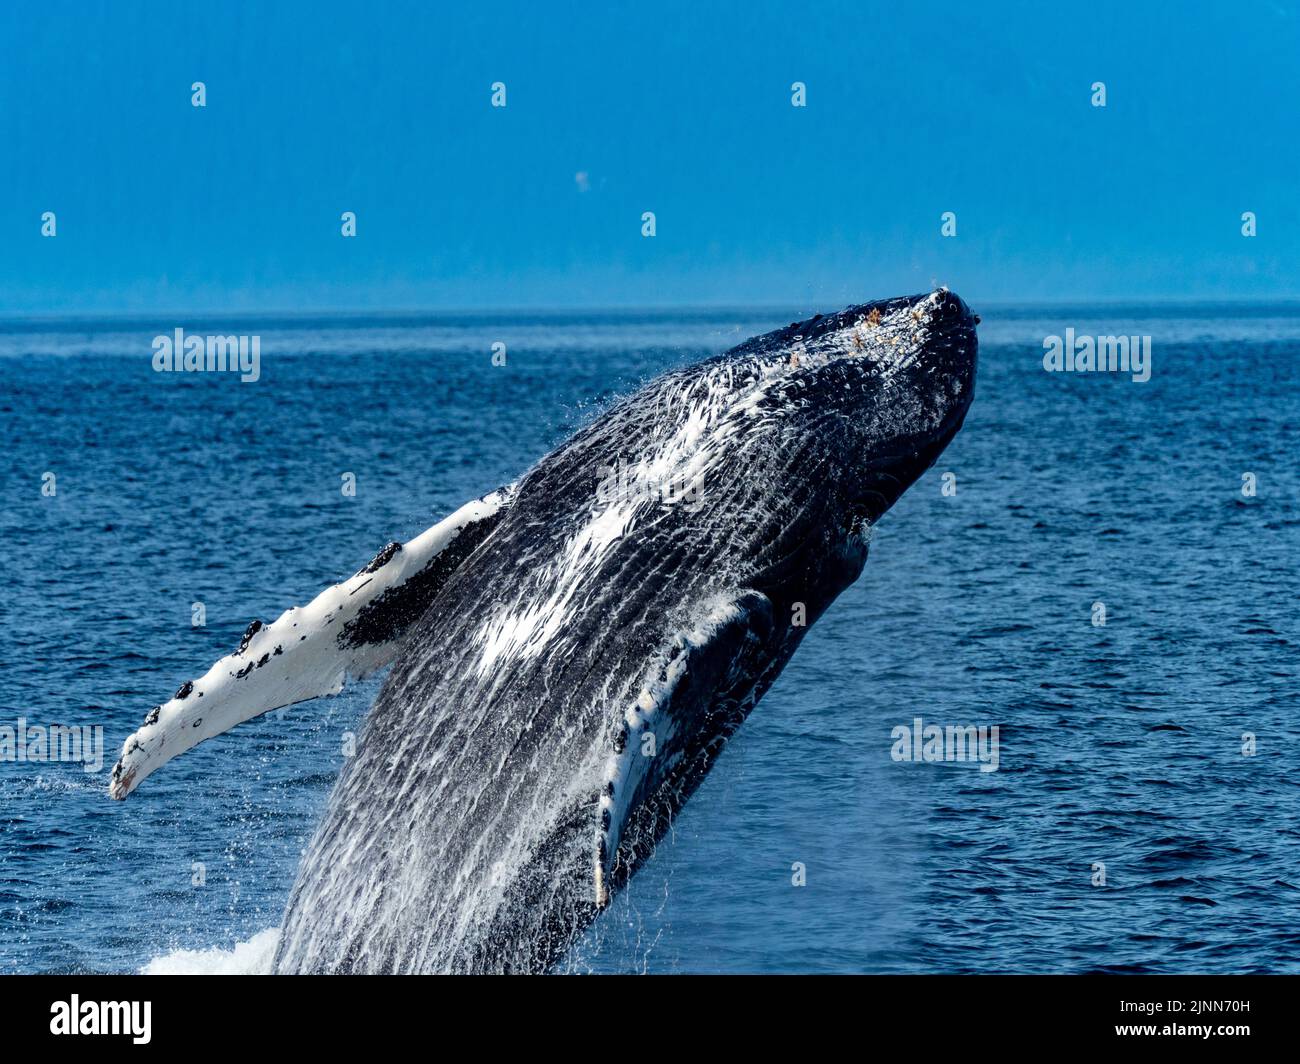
pixel 695 691
pixel 348 630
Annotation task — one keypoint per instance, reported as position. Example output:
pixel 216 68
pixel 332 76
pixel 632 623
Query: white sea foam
pixel 245 958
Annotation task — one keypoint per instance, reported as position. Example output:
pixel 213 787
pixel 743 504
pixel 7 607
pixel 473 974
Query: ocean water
pixel 1119 744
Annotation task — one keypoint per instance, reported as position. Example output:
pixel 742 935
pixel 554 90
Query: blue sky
pixel 913 109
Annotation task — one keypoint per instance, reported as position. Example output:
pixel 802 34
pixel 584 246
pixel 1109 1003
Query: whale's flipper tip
pixel 126 771
pixel 119 786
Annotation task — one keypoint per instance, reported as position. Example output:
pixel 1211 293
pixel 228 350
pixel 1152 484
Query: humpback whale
pixel 571 653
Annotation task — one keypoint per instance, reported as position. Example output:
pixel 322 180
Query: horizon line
pixel 124 316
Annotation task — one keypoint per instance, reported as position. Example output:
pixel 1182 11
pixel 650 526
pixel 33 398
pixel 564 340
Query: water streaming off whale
pixel 503 788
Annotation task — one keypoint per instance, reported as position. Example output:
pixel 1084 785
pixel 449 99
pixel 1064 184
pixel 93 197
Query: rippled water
pixel 1120 744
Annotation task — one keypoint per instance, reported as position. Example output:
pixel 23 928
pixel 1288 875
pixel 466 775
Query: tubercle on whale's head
pixel 881 352
pixel 937 328
pixel 894 380
pixel 941 369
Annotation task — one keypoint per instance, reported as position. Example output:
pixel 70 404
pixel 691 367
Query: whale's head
pixel 888 383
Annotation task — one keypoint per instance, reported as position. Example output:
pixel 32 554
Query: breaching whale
pixel 570 653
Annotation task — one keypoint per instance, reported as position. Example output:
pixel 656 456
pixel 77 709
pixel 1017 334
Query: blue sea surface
pixel 1120 745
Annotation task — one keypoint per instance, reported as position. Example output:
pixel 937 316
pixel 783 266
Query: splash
pixel 245 958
